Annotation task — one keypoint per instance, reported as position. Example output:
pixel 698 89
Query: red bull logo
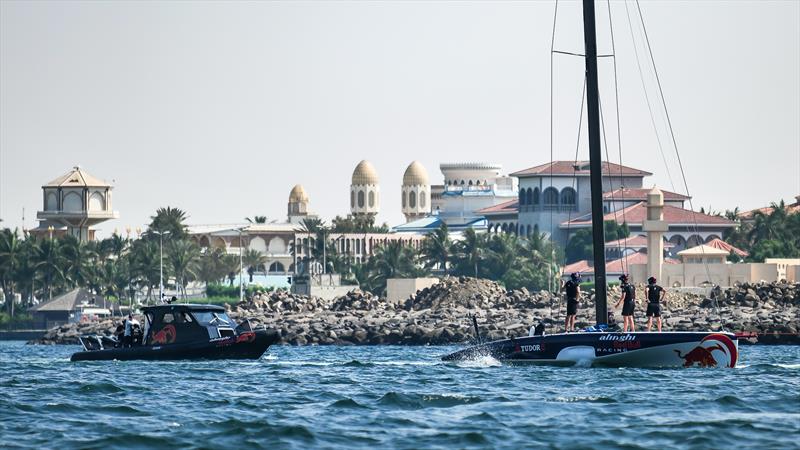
pixel 713 349
pixel 166 335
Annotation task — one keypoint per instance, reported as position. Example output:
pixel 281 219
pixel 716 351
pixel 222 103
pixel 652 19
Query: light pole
pixel 241 266
pixel 161 263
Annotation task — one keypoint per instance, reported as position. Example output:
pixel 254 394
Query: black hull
pixel 638 349
pixel 234 347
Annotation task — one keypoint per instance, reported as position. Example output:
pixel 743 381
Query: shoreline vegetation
pixel 127 271
pixel 440 314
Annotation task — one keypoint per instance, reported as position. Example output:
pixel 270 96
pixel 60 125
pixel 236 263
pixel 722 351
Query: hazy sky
pixel 219 108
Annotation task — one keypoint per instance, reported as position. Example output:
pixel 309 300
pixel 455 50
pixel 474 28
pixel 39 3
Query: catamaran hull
pixel 672 349
pixel 249 345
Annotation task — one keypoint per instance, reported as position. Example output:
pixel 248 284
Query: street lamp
pixel 50 230
pixel 161 263
pixel 241 265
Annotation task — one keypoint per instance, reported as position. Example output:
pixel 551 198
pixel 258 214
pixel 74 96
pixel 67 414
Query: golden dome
pixel 298 195
pixel 364 174
pixel 415 175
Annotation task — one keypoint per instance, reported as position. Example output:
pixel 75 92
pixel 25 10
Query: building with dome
pixel 365 190
pixel 467 188
pixel 416 192
pixel 73 203
pixel 298 205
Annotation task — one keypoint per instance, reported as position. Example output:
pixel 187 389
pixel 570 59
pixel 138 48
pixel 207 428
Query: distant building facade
pixel 73 203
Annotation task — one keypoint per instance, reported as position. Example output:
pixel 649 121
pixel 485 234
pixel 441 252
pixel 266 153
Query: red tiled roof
pixel 568 168
pixel 636 214
pixel 509 207
pixel 637 241
pixel 722 245
pixel 640 194
pixel 617 266
pixel 792 208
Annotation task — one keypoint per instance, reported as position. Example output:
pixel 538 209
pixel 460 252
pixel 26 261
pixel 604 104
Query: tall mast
pixel 595 160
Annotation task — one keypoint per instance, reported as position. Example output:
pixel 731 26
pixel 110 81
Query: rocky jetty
pixel 440 314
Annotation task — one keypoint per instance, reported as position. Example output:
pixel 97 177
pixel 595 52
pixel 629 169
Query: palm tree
pixel 312 225
pixel 470 252
pixel 49 261
pixel 11 257
pixel 392 260
pixel 169 219
pixel 437 248
pixel 80 262
pixel 146 264
pixel 254 260
pixel 183 256
pixel 503 254
pixel 256 219
pixel 210 266
pixel 230 267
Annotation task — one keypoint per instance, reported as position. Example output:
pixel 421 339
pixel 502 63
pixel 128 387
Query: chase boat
pixel 182 331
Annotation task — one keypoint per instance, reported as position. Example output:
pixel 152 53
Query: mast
pixel 595 160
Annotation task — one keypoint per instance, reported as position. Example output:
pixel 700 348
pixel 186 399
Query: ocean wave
pixel 103 388
pixel 585 399
pixel 420 401
pixel 346 403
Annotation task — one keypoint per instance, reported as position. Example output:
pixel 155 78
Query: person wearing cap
pixel 573 290
pixel 628 300
pixel 655 296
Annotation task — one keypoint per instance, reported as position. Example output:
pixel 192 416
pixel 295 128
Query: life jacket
pixel 572 289
pixel 654 293
pixel 630 292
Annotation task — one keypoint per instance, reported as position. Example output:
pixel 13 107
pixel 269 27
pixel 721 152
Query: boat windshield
pixel 217 319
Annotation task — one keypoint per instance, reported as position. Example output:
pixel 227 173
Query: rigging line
pixel 561 52
pixel 575 167
pixel 675 145
pixel 619 135
pixel 552 47
pixel 647 100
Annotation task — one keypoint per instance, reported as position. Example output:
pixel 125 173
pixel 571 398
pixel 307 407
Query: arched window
pixel 529 196
pixel 422 199
pixel 52 202
pixel 403 199
pixel 72 202
pixel 371 199
pixel 550 196
pixel 97 202
pixel 568 196
pixel 352 199
pixel 358 246
pixel 412 200
pixel 277 266
pixel 462 182
pixel 523 199
pixel 528 231
pixel 360 199
pixel 504 228
pixel 536 196
pixel 259 244
pixel 470 182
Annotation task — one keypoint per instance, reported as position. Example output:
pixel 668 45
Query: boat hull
pixel 249 345
pixel 638 349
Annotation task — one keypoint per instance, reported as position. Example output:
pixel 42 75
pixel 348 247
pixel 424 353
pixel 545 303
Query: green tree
pixel 183 256
pixel 256 219
pixel 470 252
pixel 12 255
pixel 437 248
pixel 254 261
pixel 49 261
pixel 168 219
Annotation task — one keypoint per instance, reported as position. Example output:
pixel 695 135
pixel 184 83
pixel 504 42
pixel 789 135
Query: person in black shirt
pixel 628 300
pixel 573 291
pixel 655 296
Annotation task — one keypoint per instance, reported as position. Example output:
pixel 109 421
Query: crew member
pixel 573 290
pixel 655 296
pixel 127 336
pixel 130 322
pixel 628 300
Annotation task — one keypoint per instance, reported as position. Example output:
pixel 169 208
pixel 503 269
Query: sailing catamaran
pixel 601 348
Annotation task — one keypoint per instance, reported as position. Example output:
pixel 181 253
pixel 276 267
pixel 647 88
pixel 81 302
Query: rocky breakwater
pixel 441 314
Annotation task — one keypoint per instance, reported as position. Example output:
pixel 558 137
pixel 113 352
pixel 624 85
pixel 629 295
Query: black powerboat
pixel 598 346
pixel 182 331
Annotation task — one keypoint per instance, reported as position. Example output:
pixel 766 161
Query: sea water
pixel 392 397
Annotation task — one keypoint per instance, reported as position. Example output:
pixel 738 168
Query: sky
pixel 219 108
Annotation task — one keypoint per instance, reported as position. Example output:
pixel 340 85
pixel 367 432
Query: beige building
pixel 73 203
pixel 416 192
pixel 365 191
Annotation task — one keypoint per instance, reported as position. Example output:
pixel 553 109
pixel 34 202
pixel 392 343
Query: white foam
pixel 479 361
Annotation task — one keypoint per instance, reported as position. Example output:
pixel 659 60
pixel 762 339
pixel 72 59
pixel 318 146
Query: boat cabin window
pixel 217 319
